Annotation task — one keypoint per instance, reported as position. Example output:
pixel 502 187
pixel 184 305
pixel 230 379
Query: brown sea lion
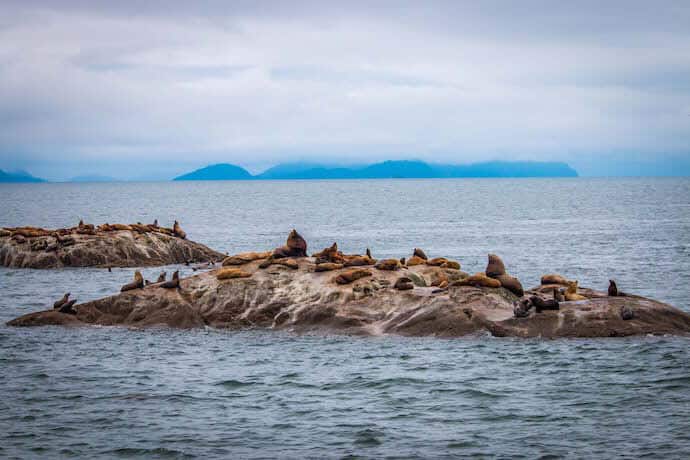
pixel 388 264
pixel 174 283
pixel 327 267
pixel 415 260
pixel 295 246
pixel 541 304
pixel 61 302
pixel 437 278
pixel 437 261
pixel 512 284
pixel 403 284
pixel 67 307
pixel 451 264
pixel 284 261
pixel 495 267
pixel 402 261
pixel 358 261
pixel 245 258
pixel 571 292
pixel 231 273
pixel 419 253
pixel 328 254
pixel 161 277
pixel 478 280
pixel 553 278
pixel 352 275
pixel 140 228
pixel 138 282
pixel 178 232
pixel 558 295
pixel 519 310
pixel 613 289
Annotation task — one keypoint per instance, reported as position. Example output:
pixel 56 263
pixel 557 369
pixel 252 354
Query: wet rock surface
pixel 103 246
pixel 304 300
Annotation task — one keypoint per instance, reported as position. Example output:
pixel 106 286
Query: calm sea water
pixel 110 392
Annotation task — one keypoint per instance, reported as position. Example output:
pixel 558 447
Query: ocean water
pixel 113 392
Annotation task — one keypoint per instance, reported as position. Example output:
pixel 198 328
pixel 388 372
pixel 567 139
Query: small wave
pixel 234 384
pixel 161 452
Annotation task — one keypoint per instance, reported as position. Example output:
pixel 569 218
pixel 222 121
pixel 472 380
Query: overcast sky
pixel 125 90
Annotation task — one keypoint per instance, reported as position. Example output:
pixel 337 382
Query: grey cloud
pixel 254 83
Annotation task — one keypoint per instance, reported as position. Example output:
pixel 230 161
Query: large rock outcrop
pixel 306 300
pixel 107 245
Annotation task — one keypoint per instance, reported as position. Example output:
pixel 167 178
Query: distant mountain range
pixel 385 170
pixel 18 176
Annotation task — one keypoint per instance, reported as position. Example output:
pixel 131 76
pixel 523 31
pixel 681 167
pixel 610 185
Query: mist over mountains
pixel 402 169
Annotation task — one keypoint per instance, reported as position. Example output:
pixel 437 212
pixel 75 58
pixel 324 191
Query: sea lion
pixel 285 262
pixel 161 277
pixel 119 227
pixel 328 254
pixel 437 278
pixel 138 282
pixel 613 289
pixel 478 280
pixel 295 246
pixel 495 267
pixel 358 261
pixel 178 232
pixel 327 267
pixel 553 278
pixel 140 228
pixel 402 261
pixel 388 264
pixel 81 223
pixel 231 273
pixel 571 292
pixel 558 295
pixel 245 258
pixel 415 260
pixel 627 313
pixel 146 282
pixel 155 222
pixel 451 264
pixel 61 302
pixel 174 283
pixel 403 284
pixel 419 253
pixel 541 304
pixel 351 275
pixel 519 310
pixel 437 261
pixel 67 307
pixel 368 253
pixel 512 284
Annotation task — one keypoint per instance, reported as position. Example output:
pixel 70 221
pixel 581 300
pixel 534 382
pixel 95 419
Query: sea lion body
pixel 174 283
pixel 245 258
pixel 478 280
pixel 161 277
pixel 554 278
pixel 437 261
pixel 613 289
pixel 571 294
pixel 512 284
pixel 403 284
pixel 138 282
pixel 352 275
pixel 67 307
pixel 419 253
pixel 178 232
pixel 415 260
pixel 62 301
pixel 231 273
pixel 388 264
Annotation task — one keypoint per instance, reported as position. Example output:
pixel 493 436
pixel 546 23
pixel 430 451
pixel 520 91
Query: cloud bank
pixel 90 87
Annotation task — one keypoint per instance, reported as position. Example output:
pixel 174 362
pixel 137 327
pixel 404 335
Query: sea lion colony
pixel 554 288
pixel 62 235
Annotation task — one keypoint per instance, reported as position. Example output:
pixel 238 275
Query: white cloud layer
pixel 91 86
